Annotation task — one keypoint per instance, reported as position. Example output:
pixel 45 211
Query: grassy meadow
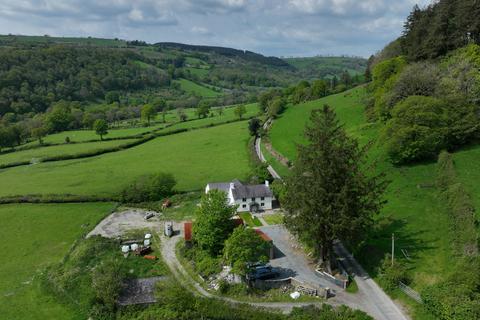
pixel 413 211
pixel 195 158
pixel 37 154
pixel 196 89
pixel 34 236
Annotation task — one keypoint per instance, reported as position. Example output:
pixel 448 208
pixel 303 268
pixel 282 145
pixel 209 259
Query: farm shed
pixel 187 231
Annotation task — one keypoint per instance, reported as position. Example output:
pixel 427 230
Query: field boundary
pixel 143 138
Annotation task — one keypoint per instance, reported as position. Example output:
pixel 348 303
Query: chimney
pixel 232 185
pixel 267 183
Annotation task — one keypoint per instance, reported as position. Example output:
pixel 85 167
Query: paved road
pixel 293 262
pixel 262 158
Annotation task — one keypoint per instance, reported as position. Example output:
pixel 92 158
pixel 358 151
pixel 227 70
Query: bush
pixel 205 264
pixel 458 297
pixel 391 275
pixel 152 187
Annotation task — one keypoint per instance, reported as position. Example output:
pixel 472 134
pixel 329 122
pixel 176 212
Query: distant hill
pixel 229 52
pixel 38 71
pixel 327 67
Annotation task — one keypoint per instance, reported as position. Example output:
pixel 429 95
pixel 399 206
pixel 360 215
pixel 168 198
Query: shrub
pixel 391 275
pixel 152 187
pixel 205 264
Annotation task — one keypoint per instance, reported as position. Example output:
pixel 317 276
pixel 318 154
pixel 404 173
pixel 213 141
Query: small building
pixel 251 198
pixel 187 231
pixel 266 238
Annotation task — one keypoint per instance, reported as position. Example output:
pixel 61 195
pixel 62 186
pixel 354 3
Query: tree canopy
pixel 329 195
pixel 213 222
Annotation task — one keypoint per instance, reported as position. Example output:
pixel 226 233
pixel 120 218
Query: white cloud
pixel 273 27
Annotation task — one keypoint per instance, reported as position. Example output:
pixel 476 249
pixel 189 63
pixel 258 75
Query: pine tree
pixel 329 196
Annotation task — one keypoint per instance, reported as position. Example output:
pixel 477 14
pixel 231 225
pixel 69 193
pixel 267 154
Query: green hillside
pixel 413 211
pixel 327 67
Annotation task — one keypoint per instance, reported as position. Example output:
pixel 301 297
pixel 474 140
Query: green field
pixel 228 115
pixel 195 158
pixel 36 154
pixel 412 199
pixel 34 236
pixel 288 129
pixel 63 40
pixel 89 135
pixel 467 165
pixel 196 89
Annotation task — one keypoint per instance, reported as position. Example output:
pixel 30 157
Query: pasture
pixel 34 236
pixel 36 154
pixel 194 157
pixel 196 89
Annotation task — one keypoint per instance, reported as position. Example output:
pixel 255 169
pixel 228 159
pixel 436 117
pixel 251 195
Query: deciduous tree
pixel 101 127
pixel 213 222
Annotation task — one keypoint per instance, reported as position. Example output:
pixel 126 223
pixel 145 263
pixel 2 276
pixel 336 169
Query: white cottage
pixel 248 197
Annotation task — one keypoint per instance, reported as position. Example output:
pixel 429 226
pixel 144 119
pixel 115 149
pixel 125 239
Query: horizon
pixel 290 28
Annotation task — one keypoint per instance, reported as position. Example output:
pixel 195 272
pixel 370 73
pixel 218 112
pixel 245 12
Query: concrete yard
pixel 118 223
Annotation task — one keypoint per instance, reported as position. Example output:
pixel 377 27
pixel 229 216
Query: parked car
pixel 262 272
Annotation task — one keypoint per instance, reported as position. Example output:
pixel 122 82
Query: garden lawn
pixel 196 89
pixel 33 236
pixel 36 154
pixel 275 218
pixel 194 158
pixel 413 212
pixel 250 220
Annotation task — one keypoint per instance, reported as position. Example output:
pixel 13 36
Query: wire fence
pixel 410 292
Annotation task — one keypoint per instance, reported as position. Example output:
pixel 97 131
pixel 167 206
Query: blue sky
pixel 270 27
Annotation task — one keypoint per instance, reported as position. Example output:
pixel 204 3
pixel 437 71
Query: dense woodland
pixel 426 84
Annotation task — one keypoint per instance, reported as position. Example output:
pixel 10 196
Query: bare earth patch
pixel 118 223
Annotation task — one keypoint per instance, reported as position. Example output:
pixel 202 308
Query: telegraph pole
pixel 393 246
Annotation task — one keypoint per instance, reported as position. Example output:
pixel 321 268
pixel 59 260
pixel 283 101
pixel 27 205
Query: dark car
pixel 262 272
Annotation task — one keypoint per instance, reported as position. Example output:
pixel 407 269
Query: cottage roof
pixel 251 191
pixel 243 191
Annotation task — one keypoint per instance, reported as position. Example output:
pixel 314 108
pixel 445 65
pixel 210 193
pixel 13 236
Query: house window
pixel 244 199
pixel 262 204
pixel 262 198
pixel 253 199
pixel 244 206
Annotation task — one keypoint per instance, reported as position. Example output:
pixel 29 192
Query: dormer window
pixel 244 199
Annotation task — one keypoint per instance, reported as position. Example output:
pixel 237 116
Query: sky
pixel 271 27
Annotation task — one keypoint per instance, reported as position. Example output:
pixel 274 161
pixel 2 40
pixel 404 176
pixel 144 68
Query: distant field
pixel 64 40
pixel 323 66
pixel 410 209
pixel 88 135
pixel 193 88
pixel 195 158
pixel 228 115
pixel 31 238
pixel 64 149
